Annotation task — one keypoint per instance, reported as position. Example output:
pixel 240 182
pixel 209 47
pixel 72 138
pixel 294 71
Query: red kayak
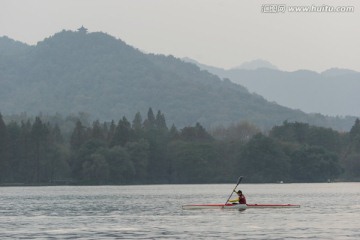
pixel 237 206
pixel 215 206
pixel 272 205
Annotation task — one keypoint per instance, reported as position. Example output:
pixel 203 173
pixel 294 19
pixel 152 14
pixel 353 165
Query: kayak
pixel 237 206
pixel 272 206
pixel 215 206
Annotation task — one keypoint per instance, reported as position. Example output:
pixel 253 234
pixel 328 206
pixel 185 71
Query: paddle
pixel 238 182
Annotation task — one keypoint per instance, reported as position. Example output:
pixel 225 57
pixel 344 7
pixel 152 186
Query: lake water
pixel 328 211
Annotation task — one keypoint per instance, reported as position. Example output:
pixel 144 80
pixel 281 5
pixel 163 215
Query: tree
pixel 3 134
pixel 79 136
pixel 26 152
pixel 137 122
pixel 314 164
pixel 149 123
pixel 174 133
pixel 83 155
pixel 39 135
pixel 197 133
pixel 263 160
pixel 352 167
pixel 158 166
pixel 14 157
pixel 121 167
pixel 294 132
pixel 192 162
pixel 59 170
pixel 96 169
pixel 351 158
pixel 160 121
pixel 56 134
pixel 111 132
pixel 138 128
pixel 139 156
pixel 238 132
pixel 324 137
pixel 123 133
pixel 355 130
pixel 97 131
pixel 3 143
pixel 303 134
pixel 354 135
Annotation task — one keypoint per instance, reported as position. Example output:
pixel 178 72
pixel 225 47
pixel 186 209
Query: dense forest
pixel 96 73
pixel 142 151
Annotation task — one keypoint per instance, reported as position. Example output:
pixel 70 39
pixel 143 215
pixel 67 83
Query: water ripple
pixel 154 212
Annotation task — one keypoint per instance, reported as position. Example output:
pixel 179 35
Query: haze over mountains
pixel 77 71
pixel 258 63
pixel 334 92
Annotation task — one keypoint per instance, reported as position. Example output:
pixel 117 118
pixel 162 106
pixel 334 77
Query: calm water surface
pixel 328 211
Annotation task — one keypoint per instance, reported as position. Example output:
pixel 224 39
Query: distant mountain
pixel 74 72
pixel 211 69
pixel 256 64
pixel 338 72
pixel 334 92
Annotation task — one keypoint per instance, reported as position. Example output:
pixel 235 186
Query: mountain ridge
pixel 332 92
pixel 256 64
pixel 96 73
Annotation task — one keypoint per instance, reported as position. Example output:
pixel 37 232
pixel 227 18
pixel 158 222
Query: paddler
pixel 241 198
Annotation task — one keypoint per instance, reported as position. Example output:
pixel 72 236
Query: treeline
pixel 145 151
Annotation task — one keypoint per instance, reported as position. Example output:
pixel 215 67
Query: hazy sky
pixel 223 33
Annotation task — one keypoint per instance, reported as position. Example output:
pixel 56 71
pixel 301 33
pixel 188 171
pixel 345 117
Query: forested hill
pixel 10 47
pixel 95 73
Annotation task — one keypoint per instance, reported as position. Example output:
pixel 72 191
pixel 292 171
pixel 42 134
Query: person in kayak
pixel 242 198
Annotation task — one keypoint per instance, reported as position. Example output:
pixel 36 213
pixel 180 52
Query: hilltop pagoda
pixel 82 29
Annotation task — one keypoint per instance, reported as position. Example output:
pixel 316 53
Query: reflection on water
pixel 328 211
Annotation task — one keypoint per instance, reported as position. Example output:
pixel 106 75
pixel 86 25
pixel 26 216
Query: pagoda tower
pixel 82 29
